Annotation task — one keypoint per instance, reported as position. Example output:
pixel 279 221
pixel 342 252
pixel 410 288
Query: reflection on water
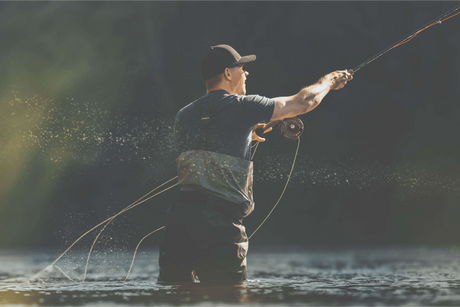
pixel 280 276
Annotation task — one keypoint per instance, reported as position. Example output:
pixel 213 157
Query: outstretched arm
pixel 310 97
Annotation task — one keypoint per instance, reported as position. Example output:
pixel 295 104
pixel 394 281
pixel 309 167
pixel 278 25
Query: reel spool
pixel 291 128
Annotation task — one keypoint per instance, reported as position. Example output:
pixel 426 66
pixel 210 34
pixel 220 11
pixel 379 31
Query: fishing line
pixel 50 267
pixel 437 20
pixel 122 211
pixel 285 186
pixel 136 203
pixel 64 273
pixel 113 217
pixel 255 148
pixel 135 251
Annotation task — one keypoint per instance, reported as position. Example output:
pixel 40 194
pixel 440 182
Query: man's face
pixel 239 79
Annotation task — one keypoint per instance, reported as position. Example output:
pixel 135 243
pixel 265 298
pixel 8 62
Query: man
pixel 205 237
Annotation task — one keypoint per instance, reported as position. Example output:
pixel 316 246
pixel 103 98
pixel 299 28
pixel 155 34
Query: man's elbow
pixel 313 103
pixel 301 106
pixel 307 105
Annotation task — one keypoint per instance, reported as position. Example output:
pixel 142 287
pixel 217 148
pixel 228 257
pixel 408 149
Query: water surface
pixel 287 276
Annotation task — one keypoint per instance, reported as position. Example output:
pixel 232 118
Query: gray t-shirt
pixel 232 119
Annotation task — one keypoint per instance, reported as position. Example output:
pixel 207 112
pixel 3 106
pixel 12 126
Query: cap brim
pixel 246 59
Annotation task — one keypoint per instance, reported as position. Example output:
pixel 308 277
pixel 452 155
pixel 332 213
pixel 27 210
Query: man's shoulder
pixel 246 98
pixel 188 108
pixel 256 98
pixel 213 96
pixel 255 101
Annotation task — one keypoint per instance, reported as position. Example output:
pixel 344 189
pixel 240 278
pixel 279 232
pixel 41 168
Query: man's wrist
pixel 327 81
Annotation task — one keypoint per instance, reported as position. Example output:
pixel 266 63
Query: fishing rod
pixel 292 128
pixel 437 20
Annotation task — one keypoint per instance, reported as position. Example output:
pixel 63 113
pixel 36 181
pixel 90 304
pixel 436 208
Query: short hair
pixel 213 81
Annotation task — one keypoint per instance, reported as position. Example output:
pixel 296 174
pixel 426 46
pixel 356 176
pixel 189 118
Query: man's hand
pixel 339 78
pixel 257 138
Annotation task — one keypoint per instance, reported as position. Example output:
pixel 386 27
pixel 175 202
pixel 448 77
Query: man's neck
pixel 220 87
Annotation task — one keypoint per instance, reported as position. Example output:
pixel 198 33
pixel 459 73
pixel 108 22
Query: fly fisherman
pixel 205 237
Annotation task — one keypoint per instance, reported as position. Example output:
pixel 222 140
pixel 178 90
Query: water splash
pixel 411 176
pixel 80 129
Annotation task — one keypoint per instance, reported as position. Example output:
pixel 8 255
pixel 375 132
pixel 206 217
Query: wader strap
pixel 204 123
pixel 204 110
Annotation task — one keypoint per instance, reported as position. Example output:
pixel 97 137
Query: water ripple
pixel 284 276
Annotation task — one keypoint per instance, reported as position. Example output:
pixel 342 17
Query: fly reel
pixel 291 128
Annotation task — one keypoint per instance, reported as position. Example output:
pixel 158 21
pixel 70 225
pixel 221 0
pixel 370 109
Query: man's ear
pixel 227 74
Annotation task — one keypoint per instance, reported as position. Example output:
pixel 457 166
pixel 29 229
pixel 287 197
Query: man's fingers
pixel 340 78
pixel 350 73
pixel 258 126
pixel 262 126
pixel 346 75
pixel 258 130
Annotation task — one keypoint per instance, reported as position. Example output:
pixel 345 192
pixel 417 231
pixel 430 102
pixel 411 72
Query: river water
pixel 278 276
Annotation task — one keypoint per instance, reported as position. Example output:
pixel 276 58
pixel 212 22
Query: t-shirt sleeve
pixel 259 108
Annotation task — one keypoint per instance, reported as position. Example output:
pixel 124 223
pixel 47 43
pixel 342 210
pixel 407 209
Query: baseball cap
pixel 220 57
